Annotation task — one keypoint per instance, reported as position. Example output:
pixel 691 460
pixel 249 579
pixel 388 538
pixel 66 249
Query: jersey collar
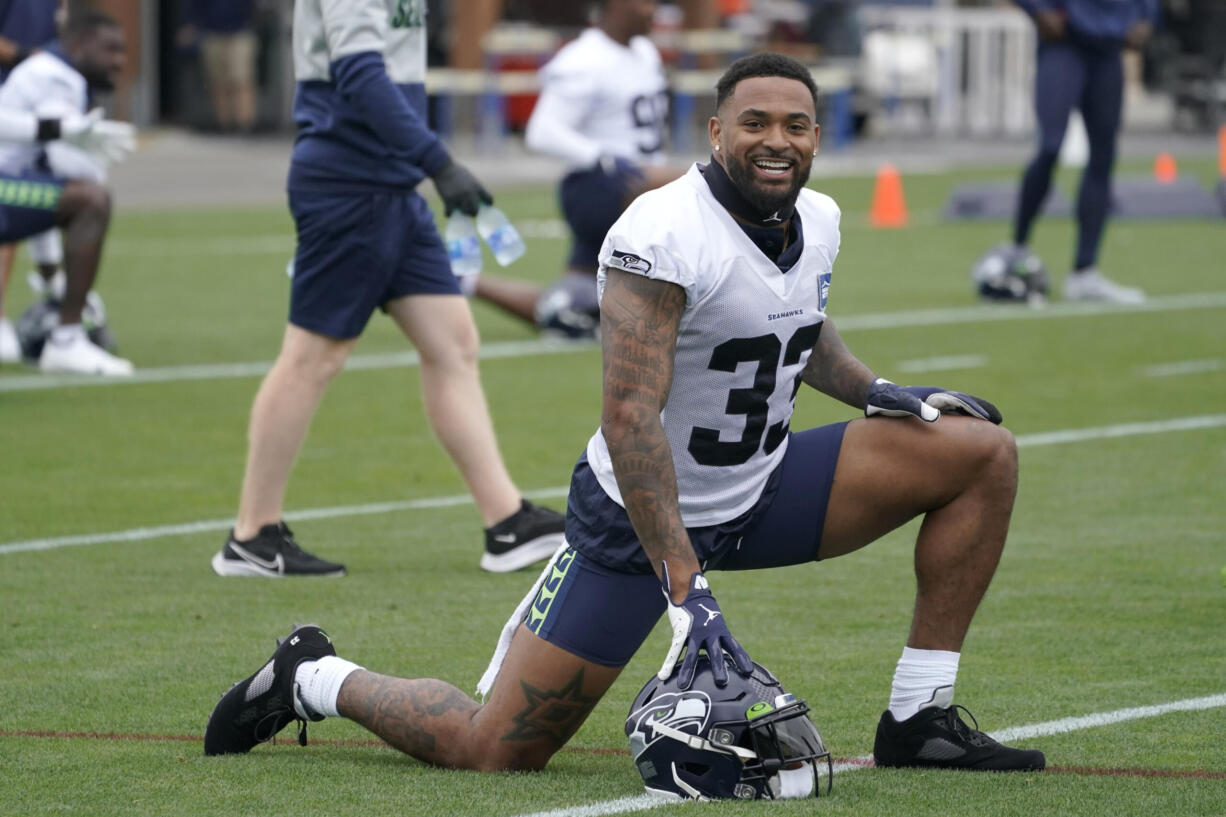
pixel 726 193
pixel 766 233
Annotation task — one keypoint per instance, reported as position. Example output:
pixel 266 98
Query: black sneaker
pixel 937 737
pixel 255 710
pixel 273 553
pixel 528 535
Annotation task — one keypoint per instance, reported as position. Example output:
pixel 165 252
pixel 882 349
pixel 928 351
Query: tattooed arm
pixel 832 369
pixel 639 319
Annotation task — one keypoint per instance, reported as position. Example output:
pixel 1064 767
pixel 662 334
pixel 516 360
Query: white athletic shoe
pixel 79 356
pixel 1092 285
pixel 10 348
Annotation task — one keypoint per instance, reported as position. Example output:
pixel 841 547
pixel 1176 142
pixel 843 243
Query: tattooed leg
pixel 542 697
pixel 409 714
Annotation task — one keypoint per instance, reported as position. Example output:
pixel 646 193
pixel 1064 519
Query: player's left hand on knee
pixel 926 402
pixel 890 400
pixel 956 402
pixel 698 625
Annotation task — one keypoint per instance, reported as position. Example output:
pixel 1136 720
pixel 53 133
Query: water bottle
pixel 500 234
pixel 463 246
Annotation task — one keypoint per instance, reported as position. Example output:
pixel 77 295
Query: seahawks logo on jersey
pixel 409 14
pixel 629 262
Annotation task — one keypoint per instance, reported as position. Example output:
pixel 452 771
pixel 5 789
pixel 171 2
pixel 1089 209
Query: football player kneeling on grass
pixel 713 314
pixel 54 86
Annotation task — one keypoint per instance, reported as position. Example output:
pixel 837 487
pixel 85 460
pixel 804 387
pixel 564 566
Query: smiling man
pixel 713 314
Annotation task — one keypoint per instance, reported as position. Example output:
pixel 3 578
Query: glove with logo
pixel 925 402
pixel 460 190
pixel 698 624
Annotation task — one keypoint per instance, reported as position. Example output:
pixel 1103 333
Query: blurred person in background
pixel 25 26
pixel 59 186
pixel 1079 66
pixel 603 108
pixel 224 32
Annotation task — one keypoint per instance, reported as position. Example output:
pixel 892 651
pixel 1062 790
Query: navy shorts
pixel 602 598
pixel 591 200
pixel 357 251
pixel 27 204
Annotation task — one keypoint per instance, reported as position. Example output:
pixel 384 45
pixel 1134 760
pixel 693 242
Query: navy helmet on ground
pixel 749 739
pixel 39 318
pixel 1005 273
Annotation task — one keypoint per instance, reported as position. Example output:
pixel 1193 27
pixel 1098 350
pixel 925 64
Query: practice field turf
pixel 1105 627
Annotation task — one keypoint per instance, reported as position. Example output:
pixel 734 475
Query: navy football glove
pixel 460 190
pixel 698 624
pixel 925 402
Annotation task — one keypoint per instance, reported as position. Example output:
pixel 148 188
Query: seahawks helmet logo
pixel 685 711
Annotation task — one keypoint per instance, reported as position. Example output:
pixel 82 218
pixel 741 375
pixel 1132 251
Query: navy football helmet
pixel 568 309
pixel 39 318
pixel 747 740
pixel 1004 273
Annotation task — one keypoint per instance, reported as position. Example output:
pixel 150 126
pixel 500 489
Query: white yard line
pixel 1183 367
pixel 1077 435
pixel 217 371
pixel 624 805
pixel 1073 435
pixel 275 243
pixel 1004 312
pixel 628 805
pixel 214 525
pixel 1063 725
pixel 946 363
pixel 512 349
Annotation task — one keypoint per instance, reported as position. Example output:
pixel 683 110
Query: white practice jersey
pixel 601 98
pixel 326 30
pixel 744 338
pixel 49 88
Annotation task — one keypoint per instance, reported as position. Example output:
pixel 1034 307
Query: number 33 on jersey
pixel 745 335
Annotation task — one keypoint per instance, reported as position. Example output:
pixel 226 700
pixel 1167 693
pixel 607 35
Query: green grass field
pixel 114 649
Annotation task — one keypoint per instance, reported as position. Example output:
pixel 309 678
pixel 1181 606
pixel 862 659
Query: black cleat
pixel 255 710
pixel 272 553
pixel 528 535
pixel 936 737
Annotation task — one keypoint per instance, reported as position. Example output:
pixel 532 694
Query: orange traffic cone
pixel 1165 170
pixel 889 208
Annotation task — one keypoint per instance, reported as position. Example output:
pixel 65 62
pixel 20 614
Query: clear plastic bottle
pixel 500 234
pixel 463 246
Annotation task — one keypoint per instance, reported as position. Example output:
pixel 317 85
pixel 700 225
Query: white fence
pixel 971 70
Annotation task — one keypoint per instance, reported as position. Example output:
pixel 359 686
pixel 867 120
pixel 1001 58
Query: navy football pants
pixel 1071 76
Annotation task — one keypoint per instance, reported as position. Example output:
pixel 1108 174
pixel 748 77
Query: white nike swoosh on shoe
pixel 277 564
pixel 505 538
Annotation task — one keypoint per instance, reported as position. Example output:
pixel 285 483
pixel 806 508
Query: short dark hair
pixel 766 64
pixel 87 22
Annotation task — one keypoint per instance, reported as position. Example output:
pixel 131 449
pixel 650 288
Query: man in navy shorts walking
pixel 367 241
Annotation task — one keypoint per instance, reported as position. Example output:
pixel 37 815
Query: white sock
pixel 319 683
pixel 64 334
pixel 923 678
